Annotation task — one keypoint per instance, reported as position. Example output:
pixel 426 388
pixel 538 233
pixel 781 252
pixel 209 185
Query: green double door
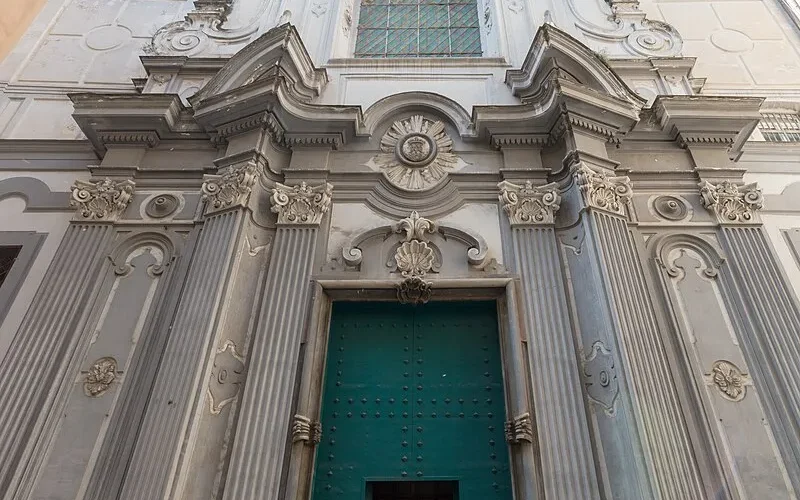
pixel 413 393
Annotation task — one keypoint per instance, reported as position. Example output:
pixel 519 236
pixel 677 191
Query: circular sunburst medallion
pixel 416 154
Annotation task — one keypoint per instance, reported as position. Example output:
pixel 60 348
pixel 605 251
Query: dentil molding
pixel 416 154
pixel 301 204
pixel 528 204
pixel 732 202
pixel 231 187
pixel 602 190
pixel 101 199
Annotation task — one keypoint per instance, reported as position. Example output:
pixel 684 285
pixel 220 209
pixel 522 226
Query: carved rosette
pixel 301 204
pixel 731 202
pixel 600 373
pixel 231 187
pixel 416 154
pixel 100 376
pixel 102 199
pixel 529 204
pixel 730 381
pixel 519 429
pixel 226 377
pixel 306 430
pixel 602 190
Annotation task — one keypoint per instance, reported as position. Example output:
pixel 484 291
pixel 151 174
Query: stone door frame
pixel 524 462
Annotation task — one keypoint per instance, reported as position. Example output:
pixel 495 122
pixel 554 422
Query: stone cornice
pixel 732 203
pixel 529 205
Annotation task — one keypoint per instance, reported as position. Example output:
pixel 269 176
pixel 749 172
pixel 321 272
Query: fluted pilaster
pixel 663 429
pixel 261 437
pixel 179 379
pixel 46 334
pixel 566 453
pixel 258 461
pixel 769 318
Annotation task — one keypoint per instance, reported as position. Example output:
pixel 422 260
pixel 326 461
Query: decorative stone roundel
pixel 416 154
pixel 670 208
pixel 161 206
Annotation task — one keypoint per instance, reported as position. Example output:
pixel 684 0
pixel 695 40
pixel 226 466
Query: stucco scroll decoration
pixel 600 373
pixel 231 187
pixel 100 376
pixel 226 377
pixel 729 379
pixel 416 154
pixel 306 430
pixel 732 202
pixel 103 199
pixel 602 190
pixel 301 204
pixel 528 204
pixel 519 429
pixel 203 23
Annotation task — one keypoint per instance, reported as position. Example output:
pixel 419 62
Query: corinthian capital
pixel 101 200
pixel 301 204
pixel 602 190
pixel 731 202
pixel 529 205
pixel 231 187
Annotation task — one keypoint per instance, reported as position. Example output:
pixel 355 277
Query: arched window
pixel 418 28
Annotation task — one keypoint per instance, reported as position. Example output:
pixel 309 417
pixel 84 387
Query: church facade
pixel 378 250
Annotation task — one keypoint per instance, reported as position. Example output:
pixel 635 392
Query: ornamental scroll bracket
pixel 101 200
pixel 528 205
pixel 602 190
pixel 732 203
pixel 306 430
pixel 301 204
pixel 519 429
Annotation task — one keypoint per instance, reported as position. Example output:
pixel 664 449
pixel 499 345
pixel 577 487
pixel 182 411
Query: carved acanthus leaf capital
pixel 301 204
pixel 732 202
pixel 104 199
pixel 519 429
pixel 306 430
pixel 231 187
pixel 602 190
pixel 528 204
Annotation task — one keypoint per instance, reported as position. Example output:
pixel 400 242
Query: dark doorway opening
pixel 412 490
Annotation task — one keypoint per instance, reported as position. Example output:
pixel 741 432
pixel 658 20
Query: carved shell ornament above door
pixel 416 154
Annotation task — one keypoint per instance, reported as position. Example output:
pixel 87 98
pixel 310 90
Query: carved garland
pixel 301 204
pixel 731 202
pixel 602 190
pixel 102 199
pixel 528 204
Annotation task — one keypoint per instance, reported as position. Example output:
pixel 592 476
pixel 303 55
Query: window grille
pixel 8 255
pixel 780 127
pixel 418 28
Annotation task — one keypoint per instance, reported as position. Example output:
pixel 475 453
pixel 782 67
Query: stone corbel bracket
pixel 519 429
pixel 732 203
pixel 306 430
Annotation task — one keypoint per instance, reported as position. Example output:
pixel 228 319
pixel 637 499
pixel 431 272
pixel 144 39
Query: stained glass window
pixel 418 28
